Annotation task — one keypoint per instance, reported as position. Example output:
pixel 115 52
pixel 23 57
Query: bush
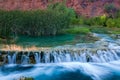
pixel 74 21
pixel 87 21
pixel 110 23
pixel 117 22
pixel 100 20
pixel 118 14
pixel 61 7
pixel 77 21
pixel 103 19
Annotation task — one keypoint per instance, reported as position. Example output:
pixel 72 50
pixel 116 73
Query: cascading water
pixel 24 59
pixel 67 55
pixel 37 57
pixel 11 58
pixel 64 71
pixel 98 61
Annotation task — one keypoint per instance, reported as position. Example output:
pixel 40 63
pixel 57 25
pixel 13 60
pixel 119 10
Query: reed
pixel 32 23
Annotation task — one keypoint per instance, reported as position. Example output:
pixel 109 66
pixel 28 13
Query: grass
pixel 77 30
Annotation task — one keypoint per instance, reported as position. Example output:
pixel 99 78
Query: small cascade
pixel 37 57
pixel 64 55
pixel 25 59
pixel 12 58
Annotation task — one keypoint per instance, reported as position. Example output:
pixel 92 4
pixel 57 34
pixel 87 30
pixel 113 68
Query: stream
pixel 83 61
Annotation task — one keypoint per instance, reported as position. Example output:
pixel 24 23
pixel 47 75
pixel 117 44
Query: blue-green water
pixel 52 41
pixel 46 41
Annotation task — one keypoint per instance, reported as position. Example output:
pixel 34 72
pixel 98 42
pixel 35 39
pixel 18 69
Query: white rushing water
pixel 12 58
pixel 66 55
pixel 64 71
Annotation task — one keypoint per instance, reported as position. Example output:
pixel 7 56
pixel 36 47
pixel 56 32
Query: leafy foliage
pixel 61 7
pixel 117 22
pixel 110 23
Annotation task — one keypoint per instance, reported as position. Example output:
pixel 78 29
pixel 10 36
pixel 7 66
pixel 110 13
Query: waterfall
pixel 65 55
pixel 24 59
pixel 12 58
pixel 37 57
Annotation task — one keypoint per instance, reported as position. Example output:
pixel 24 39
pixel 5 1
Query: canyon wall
pixel 82 7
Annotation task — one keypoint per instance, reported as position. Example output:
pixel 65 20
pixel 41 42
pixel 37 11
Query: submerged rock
pixel 25 78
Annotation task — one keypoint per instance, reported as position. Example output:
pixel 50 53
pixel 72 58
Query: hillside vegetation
pixel 55 20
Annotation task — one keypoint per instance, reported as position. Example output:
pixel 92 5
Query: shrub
pixel 117 22
pixel 95 21
pixel 103 19
pixel 110 23
pixel 74 21
pixel 61 7
pixel 81 21
pixel 87 21
pixel 100 20
pixel 118 14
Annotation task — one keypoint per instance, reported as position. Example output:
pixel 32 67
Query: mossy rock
pixel 25 78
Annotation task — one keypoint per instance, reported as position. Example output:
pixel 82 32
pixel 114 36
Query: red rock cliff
pixel 83 7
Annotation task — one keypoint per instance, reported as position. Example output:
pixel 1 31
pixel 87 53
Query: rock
pixel 101 43
pixel 85 45
pixel 25 78
pixel 113 46
pixel 118 41
pixel 118 36
pixel 82 7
